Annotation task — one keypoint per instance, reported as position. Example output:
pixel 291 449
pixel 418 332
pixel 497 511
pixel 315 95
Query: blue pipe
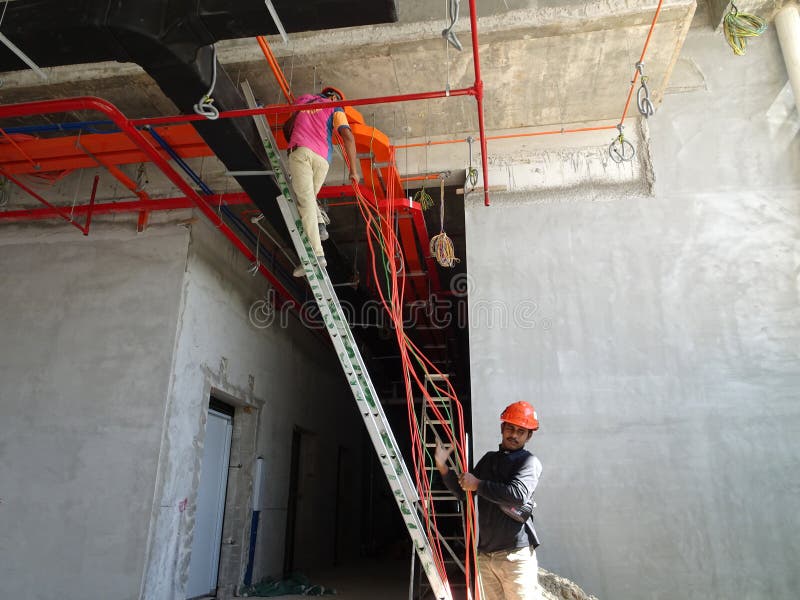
pixel 251 554
pixel 82 125
pixel 243 229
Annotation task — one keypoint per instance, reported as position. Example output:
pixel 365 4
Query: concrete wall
pixel 658 337
pixel 277 377
pixel 87 329
pixel 111 347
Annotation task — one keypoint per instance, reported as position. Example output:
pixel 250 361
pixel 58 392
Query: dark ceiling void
pixel 59 32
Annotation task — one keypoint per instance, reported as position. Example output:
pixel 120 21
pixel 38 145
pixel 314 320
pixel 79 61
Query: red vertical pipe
pixel 91 205
pixel 473 21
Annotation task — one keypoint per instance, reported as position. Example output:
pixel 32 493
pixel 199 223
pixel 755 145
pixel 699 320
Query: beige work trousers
pixel 308 171
pixel 510 575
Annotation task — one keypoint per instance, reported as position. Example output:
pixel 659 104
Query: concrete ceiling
pixel 545 64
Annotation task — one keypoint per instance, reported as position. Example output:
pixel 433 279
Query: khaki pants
pixel 308 171
pixel 510 575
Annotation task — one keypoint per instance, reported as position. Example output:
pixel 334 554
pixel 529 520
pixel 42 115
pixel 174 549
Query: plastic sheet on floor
pixel 297 584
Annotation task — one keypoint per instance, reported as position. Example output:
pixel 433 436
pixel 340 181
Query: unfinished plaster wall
pixel 658 337
pixel 87 327
pixel 281 376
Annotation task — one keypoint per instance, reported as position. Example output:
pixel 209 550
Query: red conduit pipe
pixel 105 107
pixel 289 108
pixel 420 177
pixel 91 205
pixel 58 211
pixel 508 136
pixel 473 20
pixel 276 69
pixel 129 206
pixel 641 60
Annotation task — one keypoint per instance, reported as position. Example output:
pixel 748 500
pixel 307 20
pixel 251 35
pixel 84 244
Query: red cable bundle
pixel 380 232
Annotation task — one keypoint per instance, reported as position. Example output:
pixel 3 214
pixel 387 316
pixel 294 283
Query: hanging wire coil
pixel 441 246
pixel 621 150
pixel 740 26
pixel 646 108
pixel 472 172
pixel 448 34
pixel 206 106
pixel 424 198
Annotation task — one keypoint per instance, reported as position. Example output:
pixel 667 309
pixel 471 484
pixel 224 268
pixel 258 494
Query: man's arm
pixel 519 488
pixel 449 478
pixel 349 143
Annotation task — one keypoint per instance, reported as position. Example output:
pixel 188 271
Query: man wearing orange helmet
pixel 504 482
pixel 310 151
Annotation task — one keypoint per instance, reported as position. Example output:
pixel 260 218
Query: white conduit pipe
pixel 24 57
pixel 787 22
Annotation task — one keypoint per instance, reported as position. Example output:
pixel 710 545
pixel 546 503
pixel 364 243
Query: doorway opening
pixel 210 505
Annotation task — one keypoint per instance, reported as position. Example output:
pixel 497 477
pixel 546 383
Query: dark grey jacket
pixel 505 499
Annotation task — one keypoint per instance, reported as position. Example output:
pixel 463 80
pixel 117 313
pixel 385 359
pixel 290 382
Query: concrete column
pixel 787 22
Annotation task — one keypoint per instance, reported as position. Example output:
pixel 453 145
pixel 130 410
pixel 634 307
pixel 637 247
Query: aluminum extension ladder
pixel 369 406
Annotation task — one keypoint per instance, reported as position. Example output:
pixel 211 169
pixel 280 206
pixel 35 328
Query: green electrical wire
pixel 740 26
pixel 424 199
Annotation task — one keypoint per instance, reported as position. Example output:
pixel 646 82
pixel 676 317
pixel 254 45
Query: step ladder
pixel 369 406
pixel 448 508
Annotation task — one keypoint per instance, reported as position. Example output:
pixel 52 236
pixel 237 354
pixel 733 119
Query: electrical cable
pixel 448 34
pixel 646 108
pixel 441 246
pixel 740 26
pixel 424 198
pixel 472 172
pixel 205 106
pixel 381 234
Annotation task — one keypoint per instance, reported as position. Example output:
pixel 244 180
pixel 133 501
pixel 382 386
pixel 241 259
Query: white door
pixel 204 563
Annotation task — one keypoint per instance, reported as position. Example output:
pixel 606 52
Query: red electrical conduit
pixel 128 127
pixel 508 136
pixel 57 210
pixel 641 60
pixel 129 206
pixel 473 20
pixel 291 108
pixel 276 69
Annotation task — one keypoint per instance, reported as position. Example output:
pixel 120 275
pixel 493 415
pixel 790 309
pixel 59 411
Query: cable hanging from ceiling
pixel 385 251
pixel 453 9
pixel 646 108
pixel 441 246
pixel 740 26
pixel 472 172
pixel 205 106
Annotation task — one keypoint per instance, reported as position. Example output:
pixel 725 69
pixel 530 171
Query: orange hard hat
pixel 521 414
pixel 332 91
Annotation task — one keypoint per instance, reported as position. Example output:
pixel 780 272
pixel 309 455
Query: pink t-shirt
pixel 313 129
